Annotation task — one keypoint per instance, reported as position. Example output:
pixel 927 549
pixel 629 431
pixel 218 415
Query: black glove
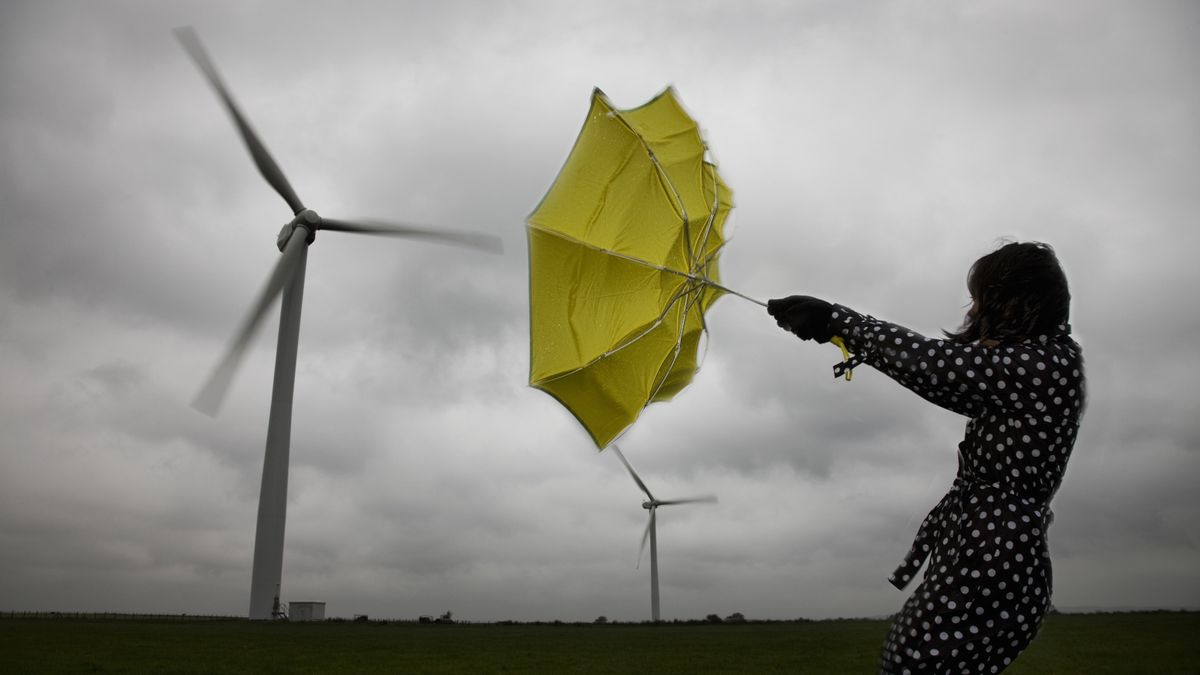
pixel 805 316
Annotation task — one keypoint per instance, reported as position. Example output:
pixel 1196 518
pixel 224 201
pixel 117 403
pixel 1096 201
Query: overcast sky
pixel 874 150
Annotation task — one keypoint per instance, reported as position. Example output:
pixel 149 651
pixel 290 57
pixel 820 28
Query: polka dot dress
pixel 987 584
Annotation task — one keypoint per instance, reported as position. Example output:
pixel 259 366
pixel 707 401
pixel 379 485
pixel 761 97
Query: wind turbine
pixel 287 279
pixel 651 532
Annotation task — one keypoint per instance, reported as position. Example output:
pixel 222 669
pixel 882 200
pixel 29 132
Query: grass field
pixel 1153 642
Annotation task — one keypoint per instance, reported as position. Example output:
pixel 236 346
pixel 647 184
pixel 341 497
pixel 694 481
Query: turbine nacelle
pixel 308 220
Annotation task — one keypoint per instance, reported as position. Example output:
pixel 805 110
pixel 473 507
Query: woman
pixel 1015 373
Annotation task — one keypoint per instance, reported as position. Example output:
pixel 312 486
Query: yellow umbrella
pixel 623 264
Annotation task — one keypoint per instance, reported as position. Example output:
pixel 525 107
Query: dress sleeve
pixel 1035 377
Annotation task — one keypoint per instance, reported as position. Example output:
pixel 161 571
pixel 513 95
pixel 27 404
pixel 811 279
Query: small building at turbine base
pixel 306 611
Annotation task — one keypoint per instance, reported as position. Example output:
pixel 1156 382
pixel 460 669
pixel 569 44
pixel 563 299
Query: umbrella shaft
pixel 730 291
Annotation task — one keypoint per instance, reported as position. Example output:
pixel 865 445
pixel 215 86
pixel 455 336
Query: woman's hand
pixel 804 316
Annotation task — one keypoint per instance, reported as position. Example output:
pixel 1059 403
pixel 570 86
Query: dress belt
pixel 929 532
pixel 946 514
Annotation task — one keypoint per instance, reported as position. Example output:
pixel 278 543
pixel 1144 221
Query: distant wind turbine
pixel 651 532
pixel 287 279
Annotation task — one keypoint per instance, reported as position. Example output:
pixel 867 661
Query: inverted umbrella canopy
pixel 623 264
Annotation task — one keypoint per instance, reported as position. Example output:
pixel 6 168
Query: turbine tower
pixel 652 504
pixel 287 279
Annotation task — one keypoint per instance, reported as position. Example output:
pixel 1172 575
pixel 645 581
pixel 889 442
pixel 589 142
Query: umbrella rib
pixel 666 179
pixel 639 261
pixel 663 176
pixel 703 333
pixel 625 256
pixel 657 322
pixel 712 213
pixel 678 342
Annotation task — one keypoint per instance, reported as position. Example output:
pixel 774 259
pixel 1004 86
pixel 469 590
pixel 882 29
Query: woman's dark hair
pixel 1020 291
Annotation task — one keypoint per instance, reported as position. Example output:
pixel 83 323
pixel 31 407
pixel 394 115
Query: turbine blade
pixel 707 499
pixel 645 538
pixel 485 242
pixel 266 165
pixel 209 400
pixel 633 473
